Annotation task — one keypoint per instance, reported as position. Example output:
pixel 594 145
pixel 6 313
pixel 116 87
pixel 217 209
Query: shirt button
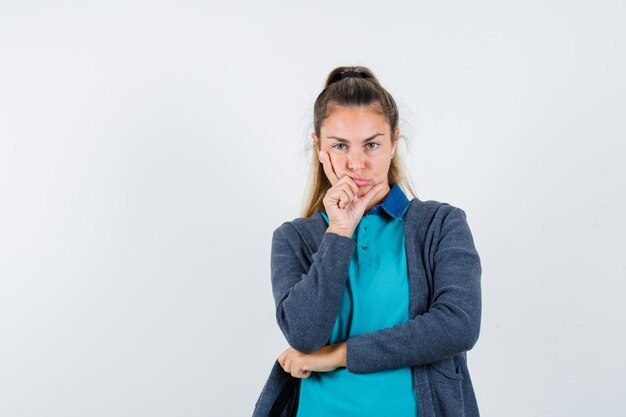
pixel 364 247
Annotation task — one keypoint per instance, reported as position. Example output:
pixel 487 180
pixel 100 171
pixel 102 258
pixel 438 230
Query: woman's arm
pixel 452 323
pixel 326 359
pixel 308 301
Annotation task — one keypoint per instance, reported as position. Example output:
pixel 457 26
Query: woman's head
pixel 359 143
pixel 356 124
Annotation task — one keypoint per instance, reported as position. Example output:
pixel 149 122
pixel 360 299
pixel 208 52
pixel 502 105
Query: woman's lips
pixel 360 182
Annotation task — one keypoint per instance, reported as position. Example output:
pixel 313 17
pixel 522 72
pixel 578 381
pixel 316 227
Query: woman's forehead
pixel 354 123
pixel 373 108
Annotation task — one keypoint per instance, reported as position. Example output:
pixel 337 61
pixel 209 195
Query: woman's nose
pixel 355 161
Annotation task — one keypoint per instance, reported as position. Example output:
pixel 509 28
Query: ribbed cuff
pixel 336 248
pixel 354 355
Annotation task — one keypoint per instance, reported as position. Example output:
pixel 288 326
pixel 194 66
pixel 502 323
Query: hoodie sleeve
pixel 308 298
pixel 452 323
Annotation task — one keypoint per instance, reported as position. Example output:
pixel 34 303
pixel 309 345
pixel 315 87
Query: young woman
pixel 378 295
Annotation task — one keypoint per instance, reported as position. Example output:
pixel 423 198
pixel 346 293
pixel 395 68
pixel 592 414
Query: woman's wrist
pixel 342 351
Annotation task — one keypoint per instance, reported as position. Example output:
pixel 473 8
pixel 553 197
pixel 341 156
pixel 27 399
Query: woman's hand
pixel 343 205
pixel 326 359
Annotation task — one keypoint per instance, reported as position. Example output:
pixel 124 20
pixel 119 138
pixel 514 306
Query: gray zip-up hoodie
pixel 309 269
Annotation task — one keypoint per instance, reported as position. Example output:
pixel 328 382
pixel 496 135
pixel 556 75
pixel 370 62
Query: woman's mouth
pixel 360 182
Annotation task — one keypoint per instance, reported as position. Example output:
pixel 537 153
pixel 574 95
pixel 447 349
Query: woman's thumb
pixel 368 196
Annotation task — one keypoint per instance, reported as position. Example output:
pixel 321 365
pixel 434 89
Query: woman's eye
pixel 376 145
pixel 339 144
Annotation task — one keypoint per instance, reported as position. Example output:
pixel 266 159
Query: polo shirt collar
pixel 394 204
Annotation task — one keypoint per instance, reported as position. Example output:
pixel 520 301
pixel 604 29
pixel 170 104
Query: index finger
pixel 330 170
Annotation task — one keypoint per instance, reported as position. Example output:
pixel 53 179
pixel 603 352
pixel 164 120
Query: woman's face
pixel 358 141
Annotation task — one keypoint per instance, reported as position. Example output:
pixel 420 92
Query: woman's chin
pixel 364 189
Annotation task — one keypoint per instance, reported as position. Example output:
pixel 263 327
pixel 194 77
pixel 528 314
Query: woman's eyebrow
pixel 347 141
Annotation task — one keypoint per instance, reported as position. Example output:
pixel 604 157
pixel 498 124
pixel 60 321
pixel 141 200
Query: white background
pixel 149 149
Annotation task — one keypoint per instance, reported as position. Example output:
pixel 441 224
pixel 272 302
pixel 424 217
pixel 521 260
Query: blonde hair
pixel 351 91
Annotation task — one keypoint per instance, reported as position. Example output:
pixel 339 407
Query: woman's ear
pixel 315 141
pixel 394 142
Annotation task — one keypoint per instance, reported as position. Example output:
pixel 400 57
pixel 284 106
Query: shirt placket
pixel 364 243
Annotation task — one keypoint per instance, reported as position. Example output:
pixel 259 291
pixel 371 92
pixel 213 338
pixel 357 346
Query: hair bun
pixel 348 74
